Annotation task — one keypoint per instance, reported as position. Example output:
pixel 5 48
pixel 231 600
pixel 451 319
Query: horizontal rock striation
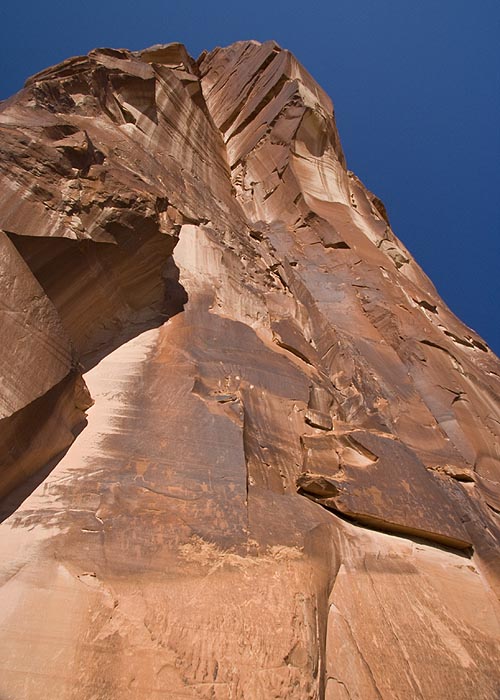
pixel 288 484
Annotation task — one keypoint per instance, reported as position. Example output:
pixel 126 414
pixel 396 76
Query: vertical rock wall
pixel 288 485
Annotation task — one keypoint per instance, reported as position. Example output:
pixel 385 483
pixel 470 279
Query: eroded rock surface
pixel 288 482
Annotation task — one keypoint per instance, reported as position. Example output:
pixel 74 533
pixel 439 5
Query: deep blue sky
pixel 416 88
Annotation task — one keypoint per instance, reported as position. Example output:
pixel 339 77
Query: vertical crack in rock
pixel 289 483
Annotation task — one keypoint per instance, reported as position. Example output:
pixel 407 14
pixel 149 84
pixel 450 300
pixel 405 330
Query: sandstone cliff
pixel 288 484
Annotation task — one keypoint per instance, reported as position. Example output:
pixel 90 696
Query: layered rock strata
pixel 288 483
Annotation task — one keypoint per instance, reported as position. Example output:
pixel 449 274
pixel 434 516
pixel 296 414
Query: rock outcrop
pixel 285 481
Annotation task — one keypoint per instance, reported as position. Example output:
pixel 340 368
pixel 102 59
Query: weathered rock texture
pixel 288 484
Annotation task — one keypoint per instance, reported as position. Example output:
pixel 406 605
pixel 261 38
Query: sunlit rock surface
pixel 287 485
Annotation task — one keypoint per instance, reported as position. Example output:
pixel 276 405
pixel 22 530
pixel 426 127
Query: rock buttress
pixel 288 483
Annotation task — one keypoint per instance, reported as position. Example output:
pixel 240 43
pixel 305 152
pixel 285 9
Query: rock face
pixel 288 484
